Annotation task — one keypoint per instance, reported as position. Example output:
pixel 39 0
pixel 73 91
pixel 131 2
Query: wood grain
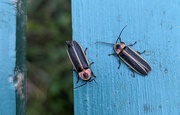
pixel 155 26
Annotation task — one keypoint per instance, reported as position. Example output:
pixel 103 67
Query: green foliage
pixel 49 82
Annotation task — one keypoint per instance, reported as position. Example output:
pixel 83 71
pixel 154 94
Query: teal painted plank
pixel 7 59
pixel 11 75
pixel 156 27
pixel 20 68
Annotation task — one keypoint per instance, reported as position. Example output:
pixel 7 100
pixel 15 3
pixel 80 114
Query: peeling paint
pixel 11 2
pixel 14 2
pixel 19 84
pixel 11 79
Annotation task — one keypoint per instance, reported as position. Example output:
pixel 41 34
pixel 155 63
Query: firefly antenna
pixel 94 81
pixel 106 43
pixel 86 83
pixel 80 85
pixel 119 37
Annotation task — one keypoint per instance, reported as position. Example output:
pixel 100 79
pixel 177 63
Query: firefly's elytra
pixel 79 61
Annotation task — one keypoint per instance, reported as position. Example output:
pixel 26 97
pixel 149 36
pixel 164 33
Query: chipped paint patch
pixel 14 2
pixel 19 84
pixel 11 79
pixel 11 2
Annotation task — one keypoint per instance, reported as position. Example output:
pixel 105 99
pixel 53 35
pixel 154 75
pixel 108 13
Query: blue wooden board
pixel 155 25
pixel 12 57
pixel 7 58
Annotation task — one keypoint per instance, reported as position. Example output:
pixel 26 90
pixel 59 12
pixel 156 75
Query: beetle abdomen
pixel 77 56
pixel 135 61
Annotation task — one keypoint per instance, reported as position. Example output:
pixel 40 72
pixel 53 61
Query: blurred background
pixel 49 75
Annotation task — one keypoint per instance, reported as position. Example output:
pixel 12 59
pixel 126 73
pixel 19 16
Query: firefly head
pixel 119 47
pixel 85 74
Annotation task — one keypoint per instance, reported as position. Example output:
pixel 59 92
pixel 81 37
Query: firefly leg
pixel 119 63
pixel 74 70
pixel 77 80
pixel 112 54
pixel 132 44
pixel 93 74
pixel 77 75
pixel 80 85
pixel 133 74
pixel 141 52
pixel 91 64
pixel 85 51
pixel 93 80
